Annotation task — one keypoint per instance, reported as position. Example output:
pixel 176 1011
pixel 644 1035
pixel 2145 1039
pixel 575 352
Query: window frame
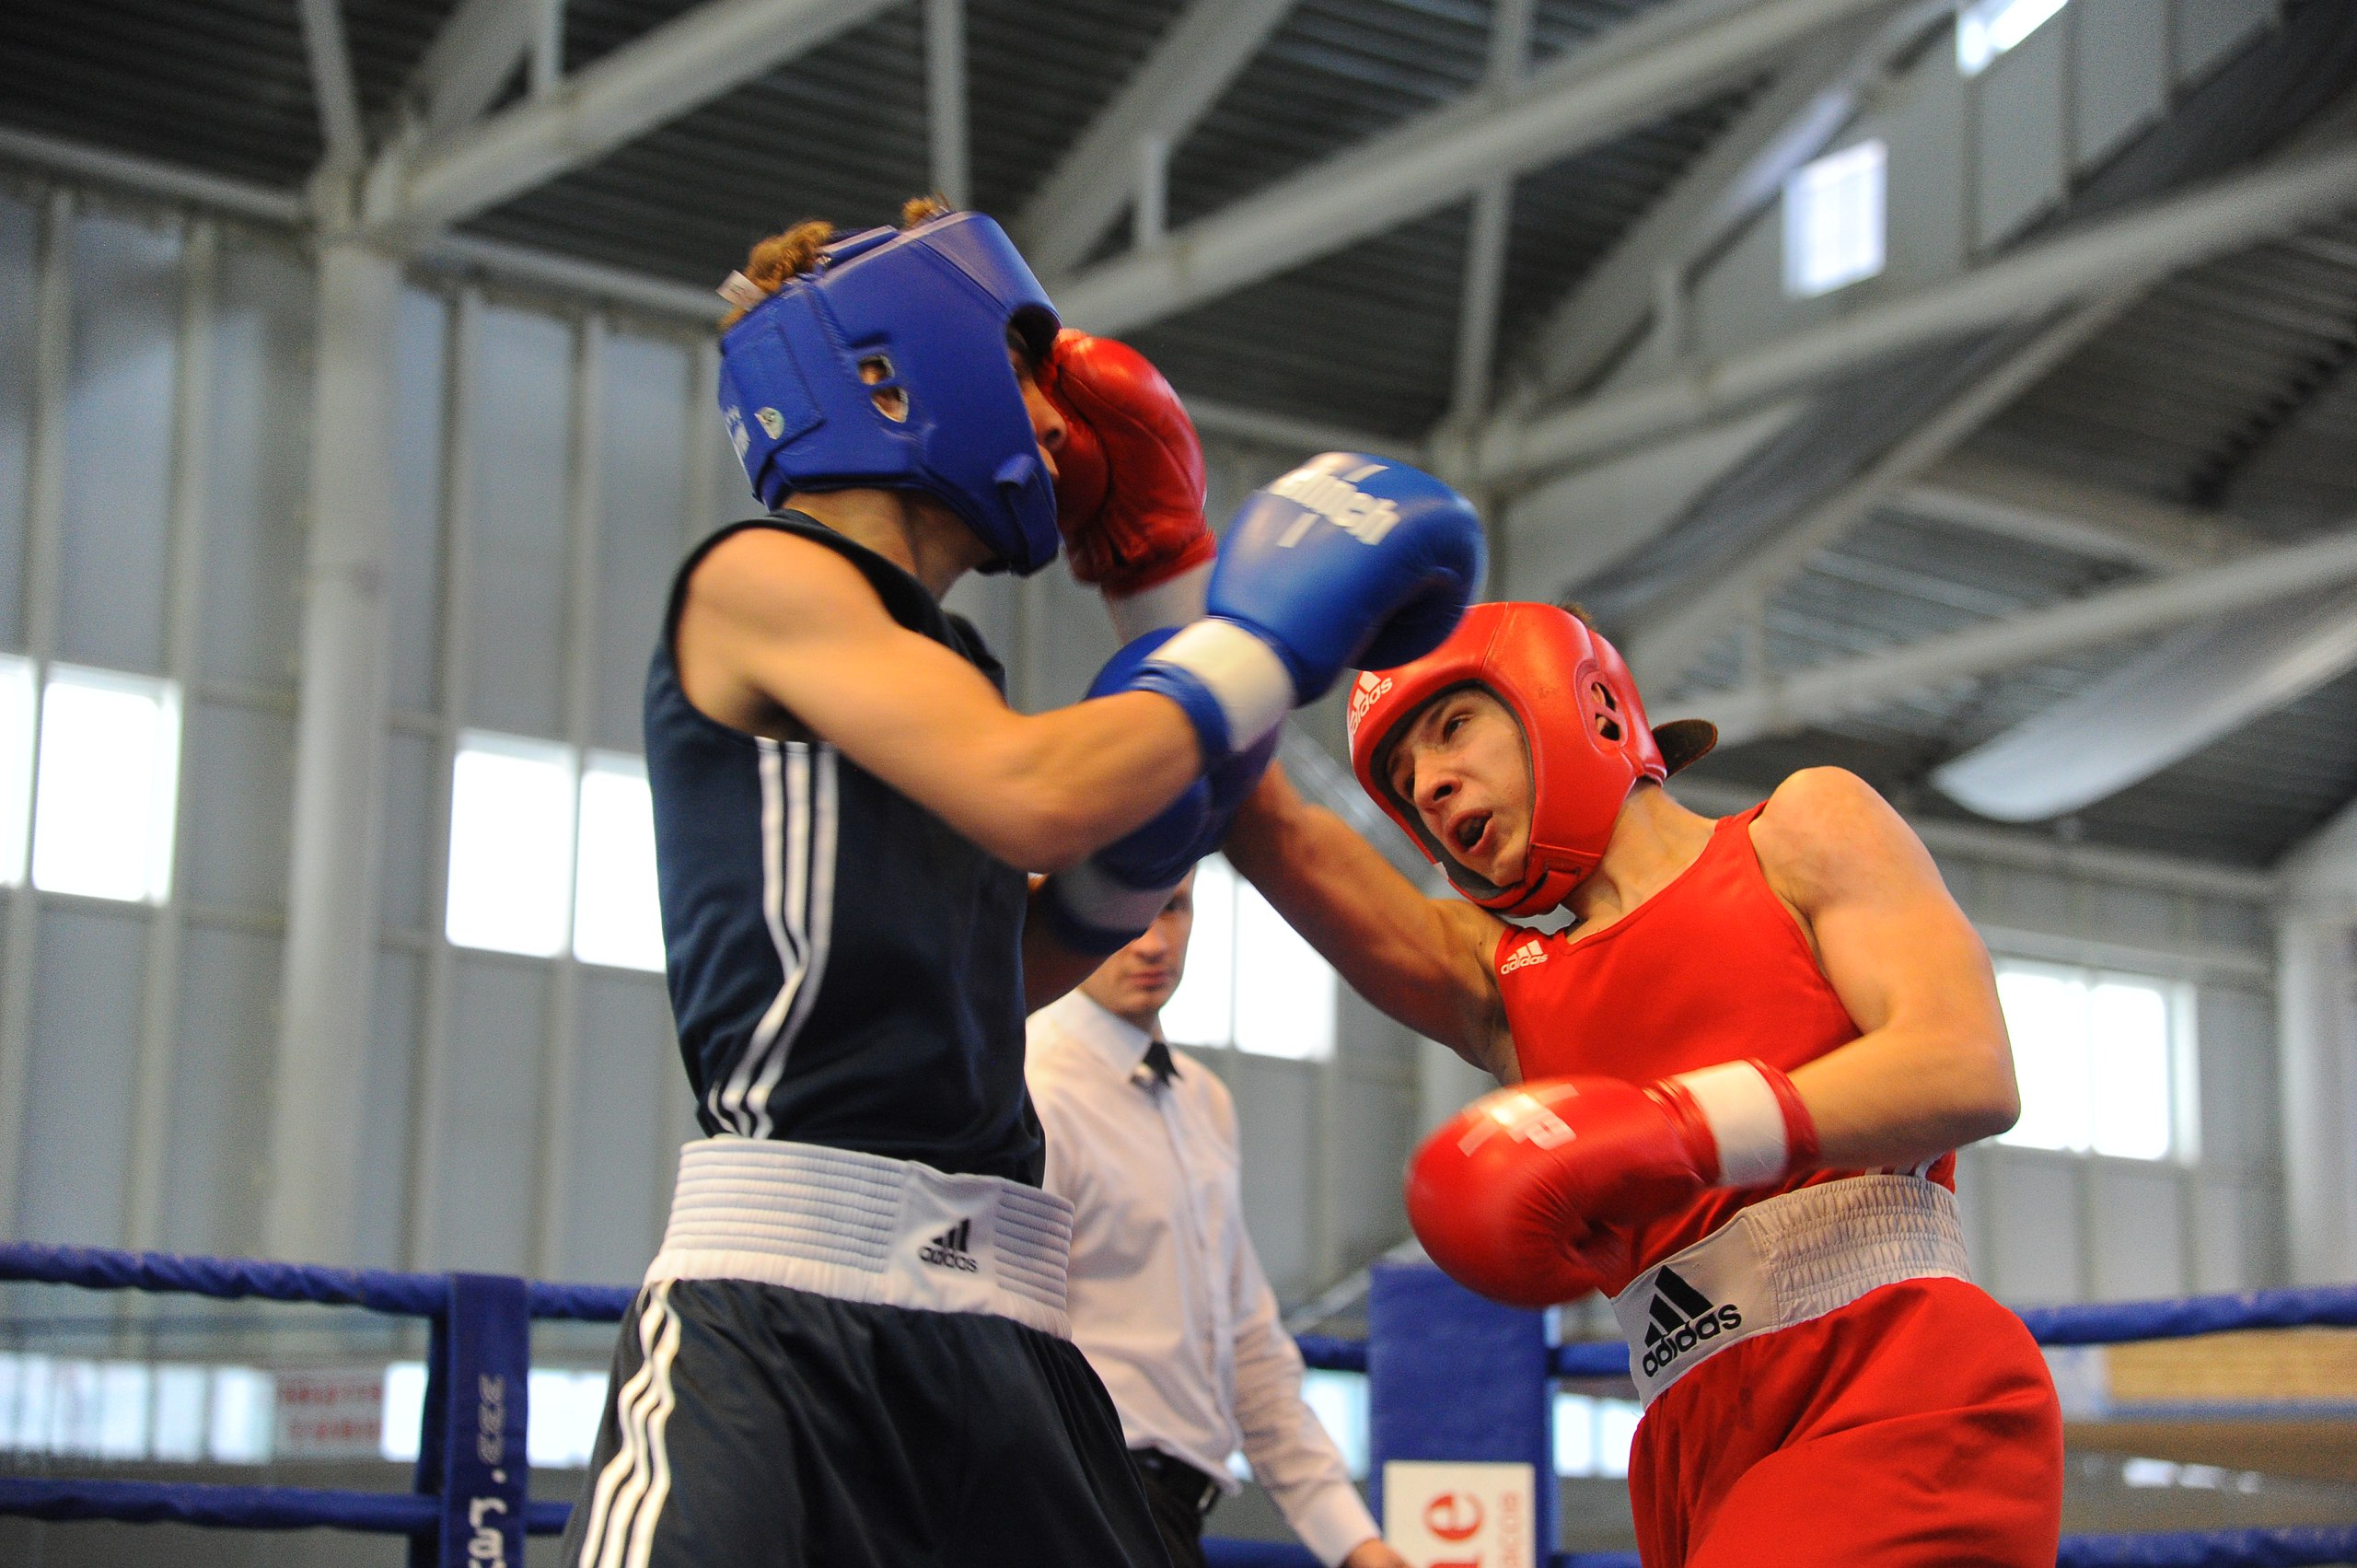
pixel 554 754
pixel 2181 1054
pixel 1803 189
pixel 1230 968
pixel 623 764
pixel 162 806
pixel 1977 25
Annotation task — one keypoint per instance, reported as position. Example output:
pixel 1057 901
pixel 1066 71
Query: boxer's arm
pixel 777 632
pixel 1424 961
pixel 1932 1069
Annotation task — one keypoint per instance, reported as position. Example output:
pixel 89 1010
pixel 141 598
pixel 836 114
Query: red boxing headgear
pixel 1586 732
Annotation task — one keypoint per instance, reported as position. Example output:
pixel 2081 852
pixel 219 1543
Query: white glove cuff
pixel 1092 897
pixel 1746 1119
pixel 1171 603
pixel 1244 675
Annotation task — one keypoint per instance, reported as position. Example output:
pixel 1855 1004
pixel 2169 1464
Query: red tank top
pixel 1712 968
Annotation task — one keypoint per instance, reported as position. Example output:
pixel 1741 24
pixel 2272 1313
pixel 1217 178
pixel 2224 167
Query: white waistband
pixel 862 1227
pixel 1784 1261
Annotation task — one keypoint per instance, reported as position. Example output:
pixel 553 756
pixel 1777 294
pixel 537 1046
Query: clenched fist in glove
pixel 1130 477
pixel 1527 1195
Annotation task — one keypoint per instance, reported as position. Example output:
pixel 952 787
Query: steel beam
pixel 712 50
pixel 1665 645
pixel 473 56
pixel 2042 853
pixel 2012 502
pixel 1814 95
pixel 1285 432
pixel 2164 237
pixel 1858 685
pixel 150 177
pixel 2158 709
pixel 1200 53
pixel 1667 58
pixel 1561 533
pixel 547 46
pixel 1487 232
pixel 944 99
pixel 331 90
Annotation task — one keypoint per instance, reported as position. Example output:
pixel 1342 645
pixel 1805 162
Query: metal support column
pixel 152 1098
pixel 340 743
pixel 561 1042
pixel 2315 1022
pixel 44 551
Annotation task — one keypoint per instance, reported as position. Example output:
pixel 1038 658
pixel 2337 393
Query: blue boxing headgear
pixel 926 309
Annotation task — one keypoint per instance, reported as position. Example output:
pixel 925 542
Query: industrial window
pixel 1592 1436
pixel 68 1407
pixel 1251 981
pixel 548 855
pixel 511 844
pixel 2102 1061
pixel 16 767
pixel 617 916
pixel 1339 1400
pixel 561 1426
pixel 1833 221
pixel 104 788
pixel 1986 29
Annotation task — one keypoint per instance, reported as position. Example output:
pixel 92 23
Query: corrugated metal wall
pixel 552 462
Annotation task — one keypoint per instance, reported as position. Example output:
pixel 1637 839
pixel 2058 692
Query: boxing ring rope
pixel 469 1508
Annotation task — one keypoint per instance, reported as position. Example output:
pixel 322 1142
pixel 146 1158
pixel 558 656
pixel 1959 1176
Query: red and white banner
pixel 1460 1516
pixel 331 1412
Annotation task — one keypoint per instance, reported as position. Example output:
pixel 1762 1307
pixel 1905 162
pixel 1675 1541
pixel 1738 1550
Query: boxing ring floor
pixel 1451 1378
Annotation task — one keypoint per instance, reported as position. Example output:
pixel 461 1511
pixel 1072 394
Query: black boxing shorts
pixel 758 1424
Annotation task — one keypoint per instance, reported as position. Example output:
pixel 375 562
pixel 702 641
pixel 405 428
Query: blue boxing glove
pixel 1108 901
pixel 1348 561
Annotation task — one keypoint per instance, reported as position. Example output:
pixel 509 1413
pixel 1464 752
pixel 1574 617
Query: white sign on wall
pixel 1460 1516
pixel 336 1412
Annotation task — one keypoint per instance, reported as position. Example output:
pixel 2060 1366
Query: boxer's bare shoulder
pixel 1828 837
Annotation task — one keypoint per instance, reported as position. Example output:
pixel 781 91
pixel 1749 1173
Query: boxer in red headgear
pixel 1736 1079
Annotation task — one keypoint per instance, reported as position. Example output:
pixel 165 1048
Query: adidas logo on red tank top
pixel 1531 952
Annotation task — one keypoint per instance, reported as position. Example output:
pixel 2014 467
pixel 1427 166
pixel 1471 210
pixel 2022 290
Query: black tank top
pixel 846 969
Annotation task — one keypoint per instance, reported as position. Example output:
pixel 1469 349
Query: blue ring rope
pixel 427 1295
pixel 244 1507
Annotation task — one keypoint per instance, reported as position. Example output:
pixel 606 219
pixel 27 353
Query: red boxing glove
pixel 1527 1195
pixel 1130 478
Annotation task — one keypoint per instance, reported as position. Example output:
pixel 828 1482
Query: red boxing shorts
pixel 1916 1427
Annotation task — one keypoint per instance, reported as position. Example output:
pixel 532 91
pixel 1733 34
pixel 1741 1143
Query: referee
pixel 1167 1297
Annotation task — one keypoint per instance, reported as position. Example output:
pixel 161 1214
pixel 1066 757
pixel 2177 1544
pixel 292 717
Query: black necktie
pixel 1158 1062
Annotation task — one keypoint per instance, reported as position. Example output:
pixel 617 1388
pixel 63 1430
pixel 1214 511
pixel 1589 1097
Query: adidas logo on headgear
pixel 1683 1317
pixel 1370 686
pixel 947 1251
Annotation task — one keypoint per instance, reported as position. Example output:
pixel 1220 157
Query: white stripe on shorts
pixel 637 1482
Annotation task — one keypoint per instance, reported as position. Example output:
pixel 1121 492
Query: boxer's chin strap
pixel 1174 601
pixel 1756 1117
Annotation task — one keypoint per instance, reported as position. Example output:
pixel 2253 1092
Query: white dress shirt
pixel 1167 1299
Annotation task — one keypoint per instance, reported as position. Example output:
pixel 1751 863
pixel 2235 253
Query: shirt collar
pixel 1114 1040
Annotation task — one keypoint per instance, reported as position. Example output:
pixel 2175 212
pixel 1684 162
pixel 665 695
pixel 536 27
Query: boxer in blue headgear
pixel 852 1349
pixel 887 365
